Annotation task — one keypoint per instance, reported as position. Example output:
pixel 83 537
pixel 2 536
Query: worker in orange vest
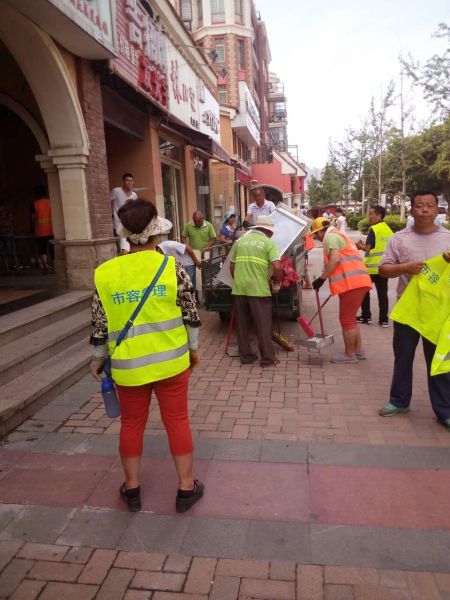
pixel 348 278
pixel 43 227
pixel 309 245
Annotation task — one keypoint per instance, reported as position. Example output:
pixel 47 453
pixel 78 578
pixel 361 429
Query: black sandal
pixel 186 499
pixel 132 498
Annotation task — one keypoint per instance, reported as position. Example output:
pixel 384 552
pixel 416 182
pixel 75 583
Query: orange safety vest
pixel 309 242
pixel 351 272
pixel 43 218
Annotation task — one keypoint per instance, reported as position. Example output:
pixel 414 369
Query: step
pixel 27 320
pixel 31 350
pixel 25 395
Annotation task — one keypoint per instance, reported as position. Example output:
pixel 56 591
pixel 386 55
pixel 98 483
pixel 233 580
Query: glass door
pixel 173 198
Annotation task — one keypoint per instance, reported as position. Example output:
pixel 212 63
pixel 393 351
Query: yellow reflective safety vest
pixel 373 258
pixel 441 359
pixel 156 346
pixel 425 303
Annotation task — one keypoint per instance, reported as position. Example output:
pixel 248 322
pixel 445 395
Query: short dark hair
pixel 40 191
pixel 135 215
pixel 339 210
pixel 423 193
pixel 125 175
pixel 379 210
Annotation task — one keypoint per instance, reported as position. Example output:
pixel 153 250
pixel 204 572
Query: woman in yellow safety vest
pixel 348 279
pixel 158 352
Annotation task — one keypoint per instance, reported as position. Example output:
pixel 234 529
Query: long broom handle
pixel 319 310
pixel 312 319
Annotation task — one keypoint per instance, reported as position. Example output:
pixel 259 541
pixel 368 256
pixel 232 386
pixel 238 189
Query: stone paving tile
pixel 38 524
pixel 140 578
pixel 95 528
pixel 221 538
pixel 154 533
pixel 285 541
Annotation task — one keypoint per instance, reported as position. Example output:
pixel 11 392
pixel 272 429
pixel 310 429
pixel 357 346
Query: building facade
pixel 89 91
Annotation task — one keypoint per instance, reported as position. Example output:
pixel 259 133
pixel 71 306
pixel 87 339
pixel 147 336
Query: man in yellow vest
pixel 405 256
pixel 376 242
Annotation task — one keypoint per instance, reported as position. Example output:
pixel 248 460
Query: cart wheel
pixel 224 316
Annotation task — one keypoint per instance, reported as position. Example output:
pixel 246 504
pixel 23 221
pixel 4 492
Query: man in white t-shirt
pixel 341 221
pixel 259 208
pixel 119 195
pixel 185 255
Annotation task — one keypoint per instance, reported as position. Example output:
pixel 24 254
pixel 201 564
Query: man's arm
pixel 392 267
pixel 212 236
pixel 191 253
pixel 370 242
pixel 277 271
pixel 334 260
pixel 390 270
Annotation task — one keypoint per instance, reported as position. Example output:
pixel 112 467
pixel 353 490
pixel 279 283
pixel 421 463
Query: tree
pixel 331 184
pixel 380 132
pixel 344 159
pixel 434 76
pixel 315 191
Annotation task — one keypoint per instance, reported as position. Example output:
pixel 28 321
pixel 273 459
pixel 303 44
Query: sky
pixel 334 55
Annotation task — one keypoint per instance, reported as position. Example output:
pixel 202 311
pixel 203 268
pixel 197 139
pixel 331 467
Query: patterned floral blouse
pixel 185 300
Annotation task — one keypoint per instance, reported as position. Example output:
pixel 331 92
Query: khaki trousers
pixel 257 313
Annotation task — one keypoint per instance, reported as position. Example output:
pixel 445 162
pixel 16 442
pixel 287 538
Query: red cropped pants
pixel 172 396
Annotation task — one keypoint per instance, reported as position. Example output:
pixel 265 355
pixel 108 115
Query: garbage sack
pixel 290 276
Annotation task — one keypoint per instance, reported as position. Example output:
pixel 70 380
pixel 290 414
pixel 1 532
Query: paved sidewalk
pixel 53 572
pixel 309 493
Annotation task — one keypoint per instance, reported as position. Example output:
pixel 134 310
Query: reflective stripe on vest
pixel 382 234
pixel 147 328
pixel 156 347
pixel 350 273
pixel 150 359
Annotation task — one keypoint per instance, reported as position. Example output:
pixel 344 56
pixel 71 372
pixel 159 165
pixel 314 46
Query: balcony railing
pixel 262 155
pixel 278 117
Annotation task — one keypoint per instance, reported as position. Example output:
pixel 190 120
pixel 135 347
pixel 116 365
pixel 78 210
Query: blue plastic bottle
pixel 110 398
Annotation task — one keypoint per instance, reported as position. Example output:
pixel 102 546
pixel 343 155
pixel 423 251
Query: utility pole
pixel 363 199
pixel 402 147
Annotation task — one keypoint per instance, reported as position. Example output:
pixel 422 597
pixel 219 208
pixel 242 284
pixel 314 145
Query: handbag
pixel 137 310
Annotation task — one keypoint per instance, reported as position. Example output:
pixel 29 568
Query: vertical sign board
pixel 141 47
pixel 190 101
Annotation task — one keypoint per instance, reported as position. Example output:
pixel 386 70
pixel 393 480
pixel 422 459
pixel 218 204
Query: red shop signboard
pixel 142 51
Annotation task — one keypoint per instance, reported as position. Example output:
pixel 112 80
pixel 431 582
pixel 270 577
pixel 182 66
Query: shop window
pixel 222 94
pixel 220 52
pixel 239 11
pixel 241 54
pixel 200 13
pixel 169 150
pixel 217 11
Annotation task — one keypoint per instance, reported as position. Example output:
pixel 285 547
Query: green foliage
pixel 433 77
pixel 394 222
pixel 353 220
pixel 364 225
pixel 446 225
pixel 315 191
pixel 331 184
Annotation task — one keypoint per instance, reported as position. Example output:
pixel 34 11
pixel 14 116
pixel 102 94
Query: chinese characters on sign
pixel 142 50
pixel 136 295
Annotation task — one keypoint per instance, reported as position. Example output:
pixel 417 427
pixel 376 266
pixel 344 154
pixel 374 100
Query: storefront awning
pixel 202 142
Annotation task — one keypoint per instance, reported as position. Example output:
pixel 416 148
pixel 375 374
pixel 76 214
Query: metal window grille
pixel 186 10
